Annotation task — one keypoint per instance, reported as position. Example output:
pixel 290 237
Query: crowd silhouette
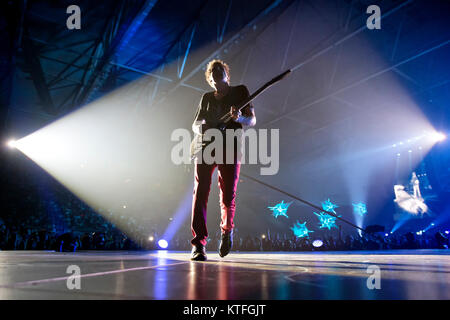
pixel 51 218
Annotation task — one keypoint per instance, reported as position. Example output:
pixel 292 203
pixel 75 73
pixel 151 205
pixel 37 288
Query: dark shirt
pixel 211 110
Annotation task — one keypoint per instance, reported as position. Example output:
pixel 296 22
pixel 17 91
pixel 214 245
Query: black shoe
pixel 226 244
pixel 198 253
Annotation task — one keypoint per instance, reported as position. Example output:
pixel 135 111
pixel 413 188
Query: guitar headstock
pixel 281 76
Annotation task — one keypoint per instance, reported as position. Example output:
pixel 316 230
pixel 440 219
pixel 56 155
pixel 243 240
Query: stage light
pixel 151 238
pixel 438 136
pixel 326 221
pixel 398 154
pixel 180 215
pixel 447 232
pixel 11 144
pixel 163 244
pixel 300 230
pixel 429 227
pixel 409 151
pixel 359 208
pixel 263 236
pixel 317 243
pixel 280 209
pixel 386 234
pixel 329 206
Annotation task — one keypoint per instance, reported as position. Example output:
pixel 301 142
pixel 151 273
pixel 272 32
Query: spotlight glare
pixel 438 136
pixel 150 238
pixel 163 244
pixel 11 144
pixel 317 243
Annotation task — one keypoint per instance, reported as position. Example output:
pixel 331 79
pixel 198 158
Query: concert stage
pixel 405 274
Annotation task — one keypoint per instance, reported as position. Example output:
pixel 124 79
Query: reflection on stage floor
pixel 408 274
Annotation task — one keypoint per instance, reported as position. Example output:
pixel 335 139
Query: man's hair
pixel 210 67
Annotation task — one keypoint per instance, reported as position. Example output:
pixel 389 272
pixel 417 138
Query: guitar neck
pixel 241 105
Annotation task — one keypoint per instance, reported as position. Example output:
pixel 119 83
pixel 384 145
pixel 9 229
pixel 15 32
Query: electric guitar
pixel 198 144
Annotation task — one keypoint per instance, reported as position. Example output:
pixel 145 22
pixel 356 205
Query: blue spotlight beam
pixel 349 36
pixel 180 74
pixel 301 200
pixel 220 37
pixel 356 83
pixel 136 24
pixel 246 30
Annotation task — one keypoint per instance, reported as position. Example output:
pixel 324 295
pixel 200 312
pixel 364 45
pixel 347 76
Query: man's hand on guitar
pixel 235 114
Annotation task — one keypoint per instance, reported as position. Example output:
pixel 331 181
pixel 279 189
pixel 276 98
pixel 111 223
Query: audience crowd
pixel 61 222
pixel 90 231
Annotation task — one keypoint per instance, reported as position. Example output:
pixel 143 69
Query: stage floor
pixel 407 274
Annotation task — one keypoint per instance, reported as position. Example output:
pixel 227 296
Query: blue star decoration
pixel 300 230
pixel 326 221
pixel 359 208
pixel 280 209
pixel 329 206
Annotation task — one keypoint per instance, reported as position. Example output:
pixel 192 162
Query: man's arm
pixel 197 126
pixel 247 117
pixel 199 119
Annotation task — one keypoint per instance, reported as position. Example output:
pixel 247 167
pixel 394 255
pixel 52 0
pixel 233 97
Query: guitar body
pixel 198 145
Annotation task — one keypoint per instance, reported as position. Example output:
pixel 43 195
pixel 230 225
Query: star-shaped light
pixel 280 209
pixel 359 208
pixel 326 221
pixel 300 230
pixel 329 206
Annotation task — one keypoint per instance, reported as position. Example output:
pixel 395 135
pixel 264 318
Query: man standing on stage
pixel 212 107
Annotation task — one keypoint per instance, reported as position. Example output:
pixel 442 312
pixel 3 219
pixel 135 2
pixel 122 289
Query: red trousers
pixel 228 180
